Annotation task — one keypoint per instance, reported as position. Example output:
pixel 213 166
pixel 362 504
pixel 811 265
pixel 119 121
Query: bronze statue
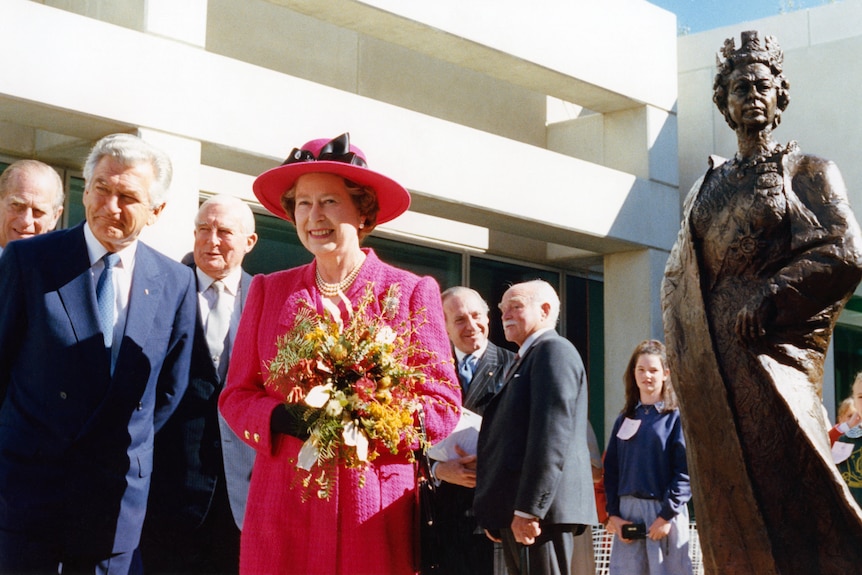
pixel 768 254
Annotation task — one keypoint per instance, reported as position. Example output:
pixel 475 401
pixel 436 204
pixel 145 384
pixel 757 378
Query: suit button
pixel 247 434
pixel 140 406
pixel 257 437
pixel 63 395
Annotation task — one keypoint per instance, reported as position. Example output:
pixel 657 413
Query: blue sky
pixel 695 16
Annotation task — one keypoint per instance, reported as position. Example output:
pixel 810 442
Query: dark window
pixel 491 278
pixel 584 319
pixel 74 212
pixel 442 265
pixel 278 247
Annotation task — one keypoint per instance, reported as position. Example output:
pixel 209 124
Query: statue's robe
pixel 780 237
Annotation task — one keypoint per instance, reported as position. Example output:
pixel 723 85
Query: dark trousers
pixel 551 554
pixel 455 545
pixel 211 549
pixel 457 550
pixel 22 554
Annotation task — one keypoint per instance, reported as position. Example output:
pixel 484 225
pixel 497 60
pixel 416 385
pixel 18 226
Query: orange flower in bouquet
pixel 356 385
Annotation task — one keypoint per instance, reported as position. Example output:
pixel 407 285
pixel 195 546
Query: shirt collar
pixel 659 405
pixel 531 340
pixel 231 281
pixel 460 355
pixel 96 250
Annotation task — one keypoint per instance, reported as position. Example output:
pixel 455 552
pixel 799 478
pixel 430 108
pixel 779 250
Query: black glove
pixel 293 420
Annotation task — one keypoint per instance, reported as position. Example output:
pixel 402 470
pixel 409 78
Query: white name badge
pixel 841 451
pixel 628 428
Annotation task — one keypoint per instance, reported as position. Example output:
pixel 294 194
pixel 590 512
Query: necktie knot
pixel 466 369
pixel 111 259
pixel 513 367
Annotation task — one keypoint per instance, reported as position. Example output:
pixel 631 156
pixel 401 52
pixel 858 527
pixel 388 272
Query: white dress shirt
pixel 460 355
pixel 231 291
pixel 122 278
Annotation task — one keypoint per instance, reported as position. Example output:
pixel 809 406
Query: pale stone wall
pixel 448 97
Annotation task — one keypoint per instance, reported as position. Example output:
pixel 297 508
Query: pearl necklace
pixel 332 290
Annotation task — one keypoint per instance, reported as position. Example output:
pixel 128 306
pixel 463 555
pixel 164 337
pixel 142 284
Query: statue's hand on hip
pixel 753 319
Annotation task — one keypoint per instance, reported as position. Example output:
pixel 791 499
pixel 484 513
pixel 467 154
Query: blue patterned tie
pixel 465 370
pixel 105 297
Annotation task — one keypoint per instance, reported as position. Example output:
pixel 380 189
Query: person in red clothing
pixel 847 447
pixel 848 415
pixel 368 524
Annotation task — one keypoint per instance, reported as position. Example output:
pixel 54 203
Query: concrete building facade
pixel 541 134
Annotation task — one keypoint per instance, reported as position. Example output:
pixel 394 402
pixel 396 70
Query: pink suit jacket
pixel 366 528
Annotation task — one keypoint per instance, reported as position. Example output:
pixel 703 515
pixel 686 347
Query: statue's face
pixel 752 97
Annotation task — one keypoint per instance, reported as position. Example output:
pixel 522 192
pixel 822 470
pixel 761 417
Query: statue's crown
pixel 752 49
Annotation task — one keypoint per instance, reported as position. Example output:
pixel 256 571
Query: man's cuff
pixel 525 515
pixel 437 480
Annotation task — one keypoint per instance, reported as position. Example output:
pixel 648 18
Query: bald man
pixel 534 488
pixel 31 200
pixel 202 470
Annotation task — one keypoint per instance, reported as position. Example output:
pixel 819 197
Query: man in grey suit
pixel 534 488
pixel 459 547
pixel 202 470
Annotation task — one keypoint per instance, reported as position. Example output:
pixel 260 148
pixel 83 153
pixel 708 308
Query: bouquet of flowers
pixel 351 385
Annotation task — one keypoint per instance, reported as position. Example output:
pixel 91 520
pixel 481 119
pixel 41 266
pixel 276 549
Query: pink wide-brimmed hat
pixel 337 156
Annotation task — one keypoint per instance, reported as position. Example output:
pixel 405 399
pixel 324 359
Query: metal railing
pixel 603 541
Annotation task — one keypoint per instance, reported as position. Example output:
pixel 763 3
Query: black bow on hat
pixel 336 150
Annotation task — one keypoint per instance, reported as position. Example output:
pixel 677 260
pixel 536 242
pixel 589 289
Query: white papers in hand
pixel 465 435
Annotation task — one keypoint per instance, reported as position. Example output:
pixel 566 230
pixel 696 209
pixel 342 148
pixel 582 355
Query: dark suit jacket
pixel 487 377
pixel 196 450
pixel 453 502
pixel 76 442
pixel 532 453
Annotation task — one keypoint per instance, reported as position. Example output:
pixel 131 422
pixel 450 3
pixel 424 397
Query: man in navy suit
pixel 456 545
pixel 202 470
pixel 534 487
pixel 89 370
